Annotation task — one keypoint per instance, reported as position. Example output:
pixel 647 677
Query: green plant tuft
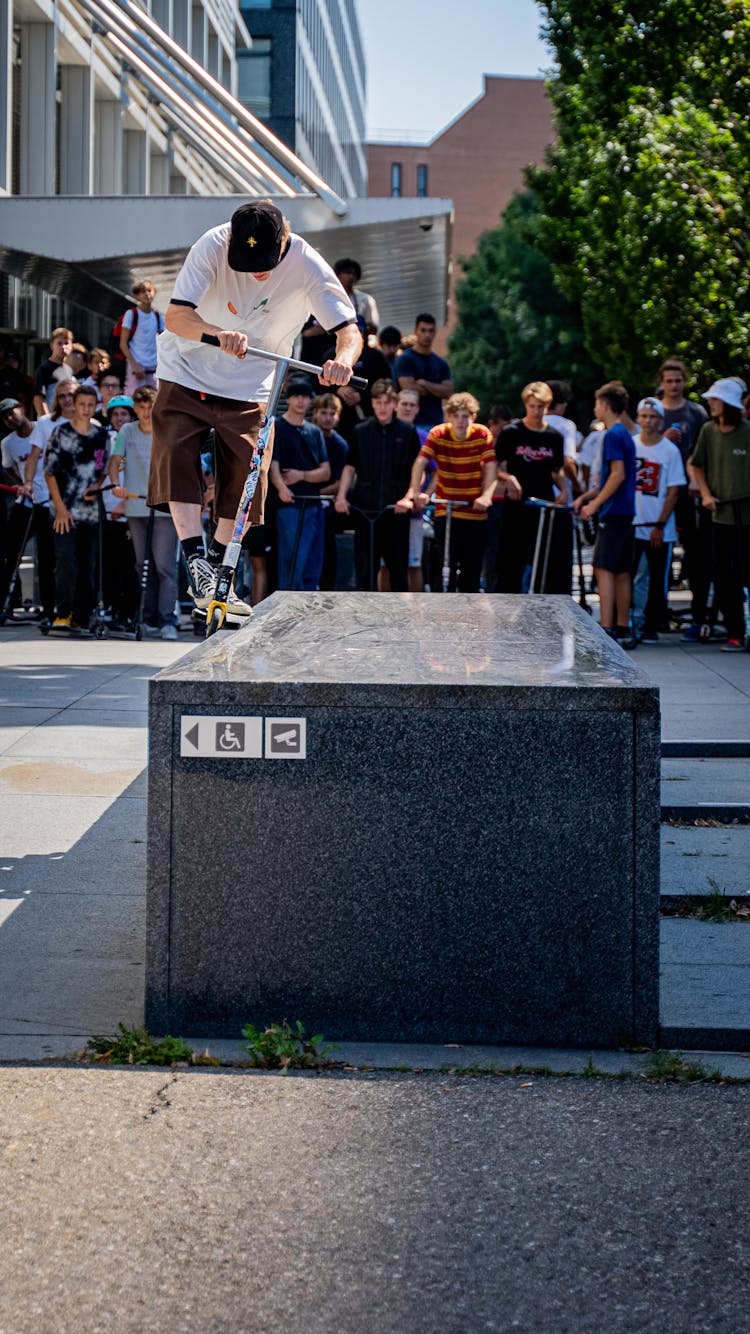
pixel 716 908
pixel 670 1067
pixel 285 1047
pixel 134 1046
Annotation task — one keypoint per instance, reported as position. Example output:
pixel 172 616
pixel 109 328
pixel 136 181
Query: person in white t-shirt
pixel 32 504
pixel 248 283
pixel 141 326
pixel 659 475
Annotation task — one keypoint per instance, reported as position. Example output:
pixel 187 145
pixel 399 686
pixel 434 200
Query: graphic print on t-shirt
pixel 647 476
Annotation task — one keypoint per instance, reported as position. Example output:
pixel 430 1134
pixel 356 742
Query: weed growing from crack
pixel 715 909
pixel 134 1046
pixel 285 1047
pixel 670 1067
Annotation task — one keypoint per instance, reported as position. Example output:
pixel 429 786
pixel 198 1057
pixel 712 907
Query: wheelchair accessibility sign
pixel 242 738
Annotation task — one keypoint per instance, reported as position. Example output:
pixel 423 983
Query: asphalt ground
pixel 190 1201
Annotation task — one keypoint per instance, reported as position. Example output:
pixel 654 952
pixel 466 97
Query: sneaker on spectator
pixel 150 631
pixel 627 641
pixel 202 581
pixel 692 635
pixel 733 646
pixel 650 637
pixel 62 622
pixel 169 632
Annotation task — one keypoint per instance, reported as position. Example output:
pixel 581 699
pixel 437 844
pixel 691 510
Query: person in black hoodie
pixel 381 458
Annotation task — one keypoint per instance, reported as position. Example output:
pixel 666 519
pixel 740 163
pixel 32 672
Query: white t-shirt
pixel 142 345
pixel 567 430
pixel 657 468
pixel 15 452
pixel 590 455
pixel 271 313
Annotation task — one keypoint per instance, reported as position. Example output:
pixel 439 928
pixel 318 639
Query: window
pixel 396 179
pixel 254 77
pixel 422 180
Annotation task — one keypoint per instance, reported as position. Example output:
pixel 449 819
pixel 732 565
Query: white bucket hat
pixel 728 391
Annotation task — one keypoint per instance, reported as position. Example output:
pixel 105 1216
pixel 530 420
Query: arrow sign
pixel 192 735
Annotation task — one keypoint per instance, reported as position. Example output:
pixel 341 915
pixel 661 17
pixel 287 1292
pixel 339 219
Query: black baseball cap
pixel 300 386
pixel 257 237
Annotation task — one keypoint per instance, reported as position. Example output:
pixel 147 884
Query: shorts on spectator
pixel 416 541
pixel 614 546
pixel 257 540
pixel 181 421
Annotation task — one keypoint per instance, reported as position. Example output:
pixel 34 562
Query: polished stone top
pixel 427 641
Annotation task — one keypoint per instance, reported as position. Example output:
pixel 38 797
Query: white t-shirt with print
pixel 15 452
pixel 271 313
pixel 657 468
pixel 142 345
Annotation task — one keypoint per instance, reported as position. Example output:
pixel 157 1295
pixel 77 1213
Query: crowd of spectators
pixel 432 497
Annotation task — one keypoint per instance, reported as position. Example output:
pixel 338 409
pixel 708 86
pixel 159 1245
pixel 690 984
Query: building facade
pixel 478 160
pixel 304 76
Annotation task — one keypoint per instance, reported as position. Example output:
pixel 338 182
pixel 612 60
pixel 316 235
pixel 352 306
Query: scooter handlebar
pixel 356 382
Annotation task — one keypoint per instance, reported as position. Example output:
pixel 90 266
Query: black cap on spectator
pixel 300 386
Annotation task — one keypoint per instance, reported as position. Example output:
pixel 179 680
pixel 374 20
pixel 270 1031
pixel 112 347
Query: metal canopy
pixel 91 249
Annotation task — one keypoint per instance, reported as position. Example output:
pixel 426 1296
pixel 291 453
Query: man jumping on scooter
pixel 248 282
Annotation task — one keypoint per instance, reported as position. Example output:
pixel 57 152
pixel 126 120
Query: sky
pixel 425 58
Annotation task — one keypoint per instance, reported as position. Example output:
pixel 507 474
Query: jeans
pixel 300 526
pixel 163 561
pixel 650 609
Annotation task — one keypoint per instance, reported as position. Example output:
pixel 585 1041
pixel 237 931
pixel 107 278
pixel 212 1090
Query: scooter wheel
pixel 100 631
pixel 139 632
pixel 704 633
pixel 215 623
pixel 45 627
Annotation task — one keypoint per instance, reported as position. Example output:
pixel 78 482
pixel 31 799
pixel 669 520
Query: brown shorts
pixel 180 422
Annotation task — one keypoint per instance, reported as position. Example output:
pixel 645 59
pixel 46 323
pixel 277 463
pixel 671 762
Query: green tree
pixel 644 193
pixel 514 324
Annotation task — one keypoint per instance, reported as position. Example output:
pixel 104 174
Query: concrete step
pixel 689 857
pixel 704 985
pixel 695 782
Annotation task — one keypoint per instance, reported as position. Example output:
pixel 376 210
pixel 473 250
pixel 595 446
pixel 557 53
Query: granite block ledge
pixel 469 852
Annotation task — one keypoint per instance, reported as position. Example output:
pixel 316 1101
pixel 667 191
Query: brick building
pixel 477 161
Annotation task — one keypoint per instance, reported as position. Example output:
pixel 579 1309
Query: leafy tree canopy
pixel 514 324
pixel 644 193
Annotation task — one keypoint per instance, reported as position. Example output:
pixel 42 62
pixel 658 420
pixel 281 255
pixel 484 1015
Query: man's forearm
pixel 348 344
pixel 699 478
pixel 54 492
pixel 442 390
pixel 31 462
pixel 345 481
pixel 187 323
pixel 319 474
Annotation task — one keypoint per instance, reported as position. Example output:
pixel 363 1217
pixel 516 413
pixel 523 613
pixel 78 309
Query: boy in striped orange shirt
pixel 464 455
